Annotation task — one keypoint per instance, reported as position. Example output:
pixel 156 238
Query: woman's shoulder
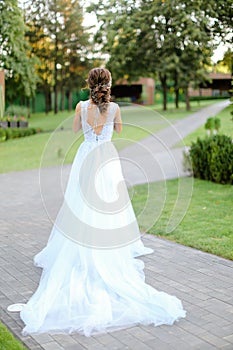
pixel 83 103
pixel 114 105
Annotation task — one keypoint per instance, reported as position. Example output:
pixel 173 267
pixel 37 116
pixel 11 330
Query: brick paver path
pixel 202 281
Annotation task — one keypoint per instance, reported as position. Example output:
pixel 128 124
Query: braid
pixel 99 81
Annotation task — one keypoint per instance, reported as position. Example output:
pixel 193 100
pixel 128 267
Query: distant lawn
pixel 50 121
pixel 25 153
pixel 7 340
pixel 207 224
pixel 181 112
pixel 226 128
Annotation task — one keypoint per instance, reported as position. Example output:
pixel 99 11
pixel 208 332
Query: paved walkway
pixel 202 281
pixel 153 158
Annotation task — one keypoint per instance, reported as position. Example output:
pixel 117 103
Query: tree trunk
pixel 50 100
pixel 176 90
pixel 34 105
pixel 28 106
pixel 70 100
pixel 177 97
pixel 163 79
pixel 187 99
pixel 62 98
pixel 55 64
pixel 200 94
pixel 55 92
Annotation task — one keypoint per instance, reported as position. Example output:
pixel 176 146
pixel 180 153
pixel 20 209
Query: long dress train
pixel 91 280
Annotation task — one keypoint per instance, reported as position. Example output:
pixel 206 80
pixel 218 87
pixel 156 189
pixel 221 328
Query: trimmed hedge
pixel 200 98
pixel 13 133
pixel 212 159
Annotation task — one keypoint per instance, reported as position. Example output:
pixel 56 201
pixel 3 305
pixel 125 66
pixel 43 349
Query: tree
pixel 42 47
pixel 15 56
pixel 170 38
pixel 75 45
pixel 219 17
pixel 225 65
pixel 61 43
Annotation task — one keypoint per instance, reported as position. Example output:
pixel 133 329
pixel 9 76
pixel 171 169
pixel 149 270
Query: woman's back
pixel 97 126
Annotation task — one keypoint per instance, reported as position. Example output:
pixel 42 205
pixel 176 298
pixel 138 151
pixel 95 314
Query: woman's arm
pixel 118 121
pixel 77 125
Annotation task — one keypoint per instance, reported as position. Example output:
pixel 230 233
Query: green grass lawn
pixel 226 128
pixel 7 340
pixel 207 224
pixel 26 153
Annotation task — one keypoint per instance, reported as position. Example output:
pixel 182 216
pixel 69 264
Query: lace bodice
pixel 107 130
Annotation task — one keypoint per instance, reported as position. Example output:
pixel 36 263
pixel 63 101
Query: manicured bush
pixel 212 125
pixel 209 125
pixel 3 135
pixel 217 124
pixel 212 159
pixel 13 133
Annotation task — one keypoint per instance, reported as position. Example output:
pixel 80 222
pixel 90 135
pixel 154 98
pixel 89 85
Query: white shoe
pixel 15 307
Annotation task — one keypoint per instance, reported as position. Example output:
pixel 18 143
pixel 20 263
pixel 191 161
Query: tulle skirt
pixel 94 285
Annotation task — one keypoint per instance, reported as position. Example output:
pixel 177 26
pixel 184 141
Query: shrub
pixel 212 159
pixel 13 133
pixel 200 98
pixel 212 125
pixel 209 125
pixel 217 124
pixel 3 135
pixel 9 133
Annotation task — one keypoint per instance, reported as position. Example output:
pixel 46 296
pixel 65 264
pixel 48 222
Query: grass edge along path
pixel 8 341
pixel 207 224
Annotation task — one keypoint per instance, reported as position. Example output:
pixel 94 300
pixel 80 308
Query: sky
pixel 219 52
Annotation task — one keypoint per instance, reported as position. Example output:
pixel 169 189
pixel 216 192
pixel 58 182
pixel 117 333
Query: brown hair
pixel 99 81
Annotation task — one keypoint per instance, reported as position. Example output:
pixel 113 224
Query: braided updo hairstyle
pixel 100 81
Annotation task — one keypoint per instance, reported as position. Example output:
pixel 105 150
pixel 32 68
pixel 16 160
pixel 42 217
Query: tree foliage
pixel 170 39
pixel 226 64
pixel 15 56
pixel 60 42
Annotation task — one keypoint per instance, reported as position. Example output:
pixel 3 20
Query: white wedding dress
pixel 91 281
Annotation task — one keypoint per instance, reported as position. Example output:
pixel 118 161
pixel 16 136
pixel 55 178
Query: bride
pixel 91 281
